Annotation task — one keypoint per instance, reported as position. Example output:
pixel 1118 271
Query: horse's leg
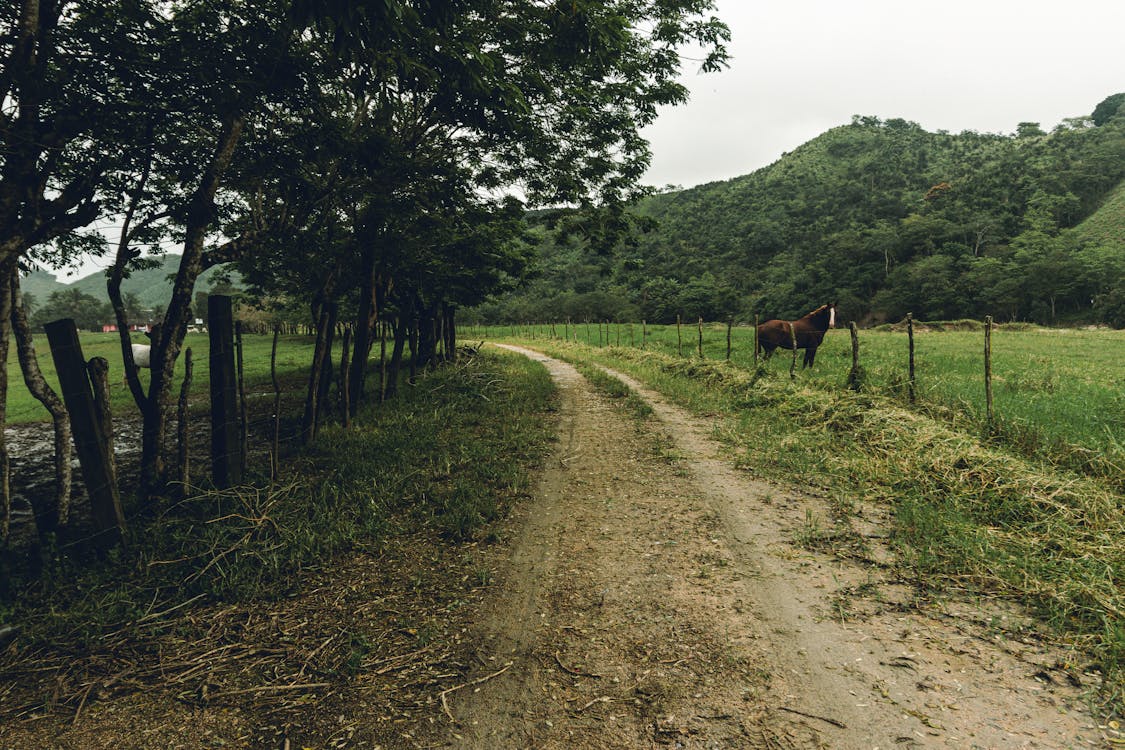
pixel 810 355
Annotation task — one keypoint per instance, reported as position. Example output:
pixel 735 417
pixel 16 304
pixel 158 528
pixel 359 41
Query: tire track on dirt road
pixel 659 601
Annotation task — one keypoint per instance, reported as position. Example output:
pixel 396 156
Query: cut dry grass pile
pixel 968 515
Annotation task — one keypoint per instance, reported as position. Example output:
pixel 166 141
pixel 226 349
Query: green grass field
pixel 1059 394
pixel 294 353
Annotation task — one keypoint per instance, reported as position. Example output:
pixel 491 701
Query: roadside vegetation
pixel 970 515
pixel 449 456
pixel 1059 393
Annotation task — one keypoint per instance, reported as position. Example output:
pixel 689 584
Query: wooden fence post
pixel 853 376
pixel 700 347
pixel 988 369
pixel 98 367
pixel 755 341
pixel 275 460
pixel 644 333
pixel 182 452
pixel 730 324
pixel 243 416
pixel 226 464
pixel 910 337
pixel 793 340
pixel 89 443
pixel 679 339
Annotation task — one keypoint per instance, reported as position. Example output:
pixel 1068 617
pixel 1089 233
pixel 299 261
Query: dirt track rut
pixel 656 597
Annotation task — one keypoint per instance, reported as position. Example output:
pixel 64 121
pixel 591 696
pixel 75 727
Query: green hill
pixel 881 216
pixel 40 284
pixel 1106 226
pixel 152 286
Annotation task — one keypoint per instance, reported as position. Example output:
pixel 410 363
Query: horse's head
pixel 832 315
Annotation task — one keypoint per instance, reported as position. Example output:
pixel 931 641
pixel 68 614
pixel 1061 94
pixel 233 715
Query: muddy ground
pixel 648 595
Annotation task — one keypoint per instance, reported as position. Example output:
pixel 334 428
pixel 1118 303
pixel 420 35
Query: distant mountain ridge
pixel 152 286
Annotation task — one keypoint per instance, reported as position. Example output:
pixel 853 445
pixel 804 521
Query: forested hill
pixel 882 216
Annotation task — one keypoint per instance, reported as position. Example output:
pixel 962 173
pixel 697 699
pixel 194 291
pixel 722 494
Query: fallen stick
pixel 486 678
pixel 603 699
pixel 575 672
pixel 833 722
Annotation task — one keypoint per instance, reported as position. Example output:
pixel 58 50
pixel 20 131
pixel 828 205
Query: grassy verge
pixel 613 388
pixel 968 515
pixel 451 453
pixel 1059 393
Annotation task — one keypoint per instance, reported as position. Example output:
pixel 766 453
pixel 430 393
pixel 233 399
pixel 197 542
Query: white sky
pixel 800 67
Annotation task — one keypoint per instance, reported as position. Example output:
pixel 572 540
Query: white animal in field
pixel 141 354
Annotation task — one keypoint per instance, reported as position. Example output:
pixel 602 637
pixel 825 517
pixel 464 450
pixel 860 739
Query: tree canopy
pixel 374 157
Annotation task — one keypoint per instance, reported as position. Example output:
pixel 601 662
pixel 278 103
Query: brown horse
pixel 809 330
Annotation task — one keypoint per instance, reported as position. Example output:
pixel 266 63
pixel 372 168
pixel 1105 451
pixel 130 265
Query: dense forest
pixel 879 215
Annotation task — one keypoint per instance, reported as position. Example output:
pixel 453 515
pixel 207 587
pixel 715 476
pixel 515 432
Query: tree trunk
pixel 166 347
pixel 366 317
pixel 183 449
pixel 7 268
pixel 308 424
pixel 347 417
pixel 450 325
pixel 395 365
pixel 52 402
pixel 327 371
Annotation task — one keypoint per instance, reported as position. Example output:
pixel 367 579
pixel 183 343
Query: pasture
pixel 1059 393
pixel 294 354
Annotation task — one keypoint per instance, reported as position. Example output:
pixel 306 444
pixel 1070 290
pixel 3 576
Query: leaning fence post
pixel 89 443
pixel 988 369
pixel 679 339
pixel 910 337
pixel 226 464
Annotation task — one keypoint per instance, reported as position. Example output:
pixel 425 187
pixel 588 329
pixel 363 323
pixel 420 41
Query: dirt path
pixel 657 597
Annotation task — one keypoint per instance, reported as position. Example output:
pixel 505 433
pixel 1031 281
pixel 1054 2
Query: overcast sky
pixel 800 67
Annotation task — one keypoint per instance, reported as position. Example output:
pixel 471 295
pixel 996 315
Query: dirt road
pixel 657 597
